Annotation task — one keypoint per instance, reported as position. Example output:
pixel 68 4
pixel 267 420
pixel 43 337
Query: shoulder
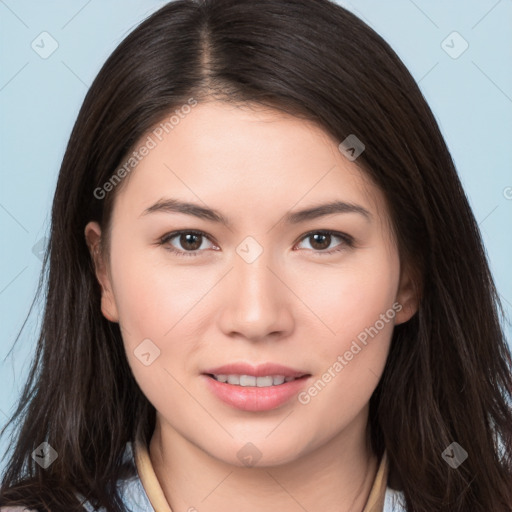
pixel 131 492
pixel 130 488
pixel 16 509
pixel 394 501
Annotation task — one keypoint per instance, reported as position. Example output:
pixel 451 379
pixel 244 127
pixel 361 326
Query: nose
pixel 256 303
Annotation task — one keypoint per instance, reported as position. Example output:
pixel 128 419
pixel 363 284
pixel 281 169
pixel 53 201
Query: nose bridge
pixel 255 283
pixel 257 305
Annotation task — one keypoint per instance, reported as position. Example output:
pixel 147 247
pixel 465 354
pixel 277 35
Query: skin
pixel 289 306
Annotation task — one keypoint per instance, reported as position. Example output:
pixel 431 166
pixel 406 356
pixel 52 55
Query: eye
pixel 190 241
pixel 322 240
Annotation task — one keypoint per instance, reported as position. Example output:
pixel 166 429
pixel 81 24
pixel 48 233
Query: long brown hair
pixel 448 377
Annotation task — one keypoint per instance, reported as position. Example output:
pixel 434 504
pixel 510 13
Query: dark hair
pixel 448 376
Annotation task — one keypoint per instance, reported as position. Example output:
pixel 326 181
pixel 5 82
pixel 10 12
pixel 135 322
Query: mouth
pixel 264 381
pixel 255 388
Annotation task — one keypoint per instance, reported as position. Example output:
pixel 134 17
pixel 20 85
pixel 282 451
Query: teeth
pixel 263 382
pixel 251 380
pixel 234 379
pixel 247 380
pixel 279 379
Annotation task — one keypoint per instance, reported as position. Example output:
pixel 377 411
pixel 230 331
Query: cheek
pixel 347 299
pixel 352 363
pixel 152 302
pixel 142 305
pixel 362 308
pixel 155 305
pixel 150 295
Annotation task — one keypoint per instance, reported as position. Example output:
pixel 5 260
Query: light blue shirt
pixel 135 498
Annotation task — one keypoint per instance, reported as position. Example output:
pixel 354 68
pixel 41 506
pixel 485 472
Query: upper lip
pixel 260 370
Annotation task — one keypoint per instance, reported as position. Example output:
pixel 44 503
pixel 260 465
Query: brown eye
pixel 190 241
pixel 319 241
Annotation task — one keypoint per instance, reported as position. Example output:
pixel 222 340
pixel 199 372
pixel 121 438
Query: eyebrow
pixel 169 205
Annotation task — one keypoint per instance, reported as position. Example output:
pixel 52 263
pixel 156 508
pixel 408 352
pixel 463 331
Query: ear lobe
pixel 407 296
pixel 93 240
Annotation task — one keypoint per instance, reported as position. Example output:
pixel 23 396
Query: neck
pixel 335 477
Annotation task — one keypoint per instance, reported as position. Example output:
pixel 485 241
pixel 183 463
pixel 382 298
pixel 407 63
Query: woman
pixel 266 288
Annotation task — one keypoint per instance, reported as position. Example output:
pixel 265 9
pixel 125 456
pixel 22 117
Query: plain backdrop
pixel 466 77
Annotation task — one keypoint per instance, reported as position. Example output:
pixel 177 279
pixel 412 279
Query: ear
pixel 93 240
pixel 407 296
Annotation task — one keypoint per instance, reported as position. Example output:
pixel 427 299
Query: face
pixel 252 281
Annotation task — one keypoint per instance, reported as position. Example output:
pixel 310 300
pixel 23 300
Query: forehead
pixel 244 158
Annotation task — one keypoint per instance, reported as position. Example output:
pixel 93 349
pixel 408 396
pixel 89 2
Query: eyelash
pixel 348 241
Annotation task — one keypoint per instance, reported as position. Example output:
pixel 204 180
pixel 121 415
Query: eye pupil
pixel 187 238
pixel 325 237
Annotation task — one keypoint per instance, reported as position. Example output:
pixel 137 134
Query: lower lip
pixel 253 398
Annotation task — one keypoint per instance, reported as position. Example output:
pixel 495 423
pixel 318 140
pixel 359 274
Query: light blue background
pixel 471 97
